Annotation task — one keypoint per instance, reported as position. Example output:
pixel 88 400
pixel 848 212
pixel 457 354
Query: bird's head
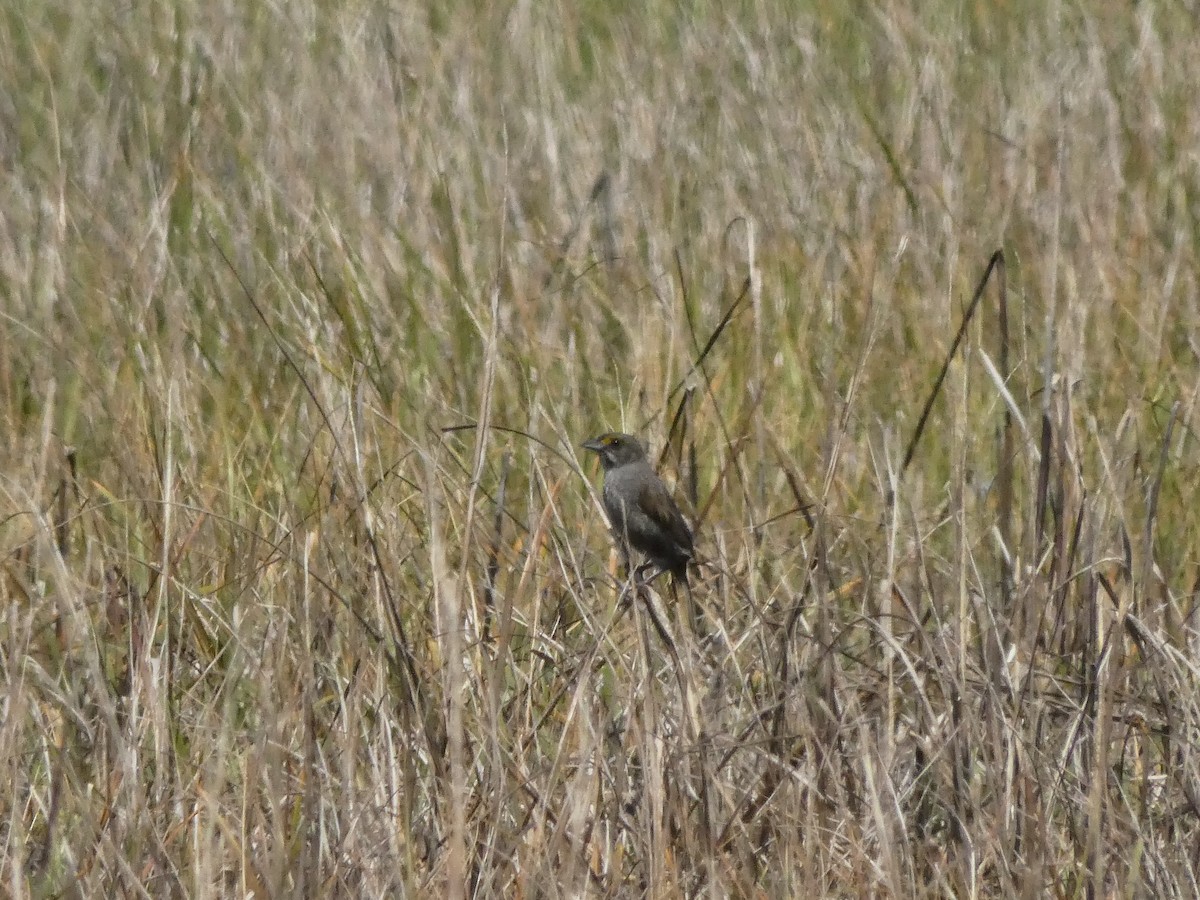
pixel 616 449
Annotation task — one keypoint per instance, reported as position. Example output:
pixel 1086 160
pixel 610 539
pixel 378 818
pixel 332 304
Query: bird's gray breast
pixel 621 487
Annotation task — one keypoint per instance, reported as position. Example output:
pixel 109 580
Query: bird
pixel 640 509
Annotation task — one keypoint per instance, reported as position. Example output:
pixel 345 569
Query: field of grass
pixel 305 309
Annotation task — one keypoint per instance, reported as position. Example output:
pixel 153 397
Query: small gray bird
pixel 643 515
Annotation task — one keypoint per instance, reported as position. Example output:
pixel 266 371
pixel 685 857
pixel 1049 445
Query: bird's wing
pixel 655 500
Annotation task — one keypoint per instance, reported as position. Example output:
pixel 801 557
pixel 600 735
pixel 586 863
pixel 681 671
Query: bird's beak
pixel 594 445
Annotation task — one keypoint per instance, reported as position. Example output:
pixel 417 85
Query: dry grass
pixel 306 309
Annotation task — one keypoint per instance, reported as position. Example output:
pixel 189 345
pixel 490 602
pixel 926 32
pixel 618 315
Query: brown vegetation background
pixel 305 309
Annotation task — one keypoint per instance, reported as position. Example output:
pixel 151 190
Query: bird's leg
pixel 639 574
